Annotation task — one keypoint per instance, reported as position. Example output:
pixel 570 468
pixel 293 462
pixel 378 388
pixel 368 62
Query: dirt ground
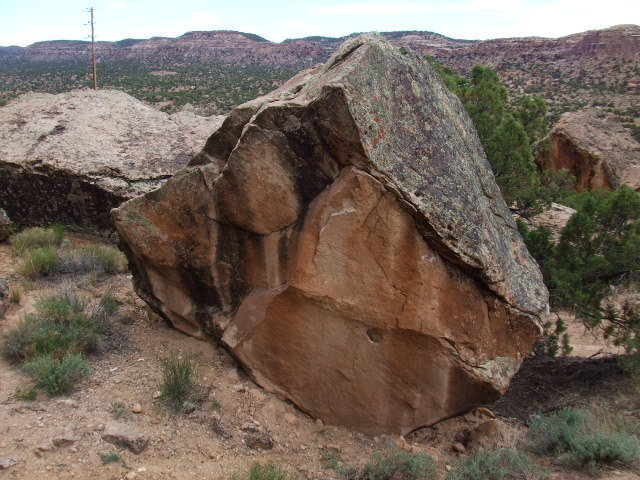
pixel 186 446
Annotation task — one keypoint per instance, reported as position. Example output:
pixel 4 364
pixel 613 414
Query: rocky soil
pixel 64 437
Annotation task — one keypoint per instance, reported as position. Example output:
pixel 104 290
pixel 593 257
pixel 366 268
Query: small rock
pixel 258 441
pixel 458 447
pixel 7 462
pixel 126 436
pixel 218 426
pixel 213 454
pixel 157 394
pixel 46 446
pixel 130 475
pixel 3 444
pixel 65 440
pixel 483 412
pixel 319 422
pixel 290 418
pixel 489 434
pixel 137 408
pixel 448 468
pixel 250 427
pixel 188 407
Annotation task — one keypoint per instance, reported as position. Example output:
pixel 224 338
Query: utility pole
pixel 93 54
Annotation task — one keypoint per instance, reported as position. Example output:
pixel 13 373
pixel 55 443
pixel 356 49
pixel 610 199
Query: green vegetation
pixel 52 341
pixel 497 464
pixel 93 258
pixel 508 131
pixel 579 440
pixel 213 87
pixel 41 262
pixel 393 465
pixel 179 383
pixel 599 249
pixel 57 375
pixel 27 394
pixel 118 410
pixel 270 471
pixel 36 237
pixel 109 457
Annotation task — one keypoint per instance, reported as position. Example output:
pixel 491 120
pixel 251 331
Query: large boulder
pixel 344 238
pixel 72 157
pixel 597 149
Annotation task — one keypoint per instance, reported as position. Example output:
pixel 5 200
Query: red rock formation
pixel 344 238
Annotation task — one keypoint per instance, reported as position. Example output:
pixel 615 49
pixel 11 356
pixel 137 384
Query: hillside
pixel 217 70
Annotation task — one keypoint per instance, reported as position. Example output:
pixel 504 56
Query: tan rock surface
pixel 599 151
pixel 345 239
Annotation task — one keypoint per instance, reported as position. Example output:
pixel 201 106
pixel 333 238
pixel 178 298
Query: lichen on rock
pixel 344 238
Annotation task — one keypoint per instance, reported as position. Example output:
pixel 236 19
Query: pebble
pixel 130 475
pixel 157 394
pixel 3 444
pixel 136 408
pixel 290 418
pixel 458 447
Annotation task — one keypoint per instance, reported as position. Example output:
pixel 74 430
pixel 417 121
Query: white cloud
pixel 203 21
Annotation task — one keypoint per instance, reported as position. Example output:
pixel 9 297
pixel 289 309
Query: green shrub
pixel 578 439
pixel 63 323
pixel 95 258
pixel 41 262
pixel 399 466
pixel 56 375
pixel 179 383
pixel 500 464
pixel 269 471
pixel 109 457
pixel 27 394
pixel 36 237
pixel 394 465
pixel 597 449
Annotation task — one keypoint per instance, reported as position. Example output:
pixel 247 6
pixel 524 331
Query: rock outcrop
pixel 596 149
pixel 344 238
pixel 72 157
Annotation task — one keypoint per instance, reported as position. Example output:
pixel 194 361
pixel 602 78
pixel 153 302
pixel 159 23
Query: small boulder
pixel 7 462
pixel 65 440
pixel 489 434
pixel 125 436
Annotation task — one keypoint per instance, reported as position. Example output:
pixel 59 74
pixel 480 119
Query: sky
pixel 23 22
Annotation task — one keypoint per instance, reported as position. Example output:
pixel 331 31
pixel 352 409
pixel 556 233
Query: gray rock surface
pixel 344 238
pixel 72 157
pixel 126 436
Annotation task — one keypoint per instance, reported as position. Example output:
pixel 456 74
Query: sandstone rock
pixel 458 447
pixel 136 408
pixel 8 462
pixel 71 157
pixel 65 440
pixel 489 434
pixel 6 226
pixel 598 150
pixel 554 218
pixel 346 241
pixel 125 436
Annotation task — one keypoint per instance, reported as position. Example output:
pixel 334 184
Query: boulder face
pixel 344 238
pixel 71 158
pixel 597 150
